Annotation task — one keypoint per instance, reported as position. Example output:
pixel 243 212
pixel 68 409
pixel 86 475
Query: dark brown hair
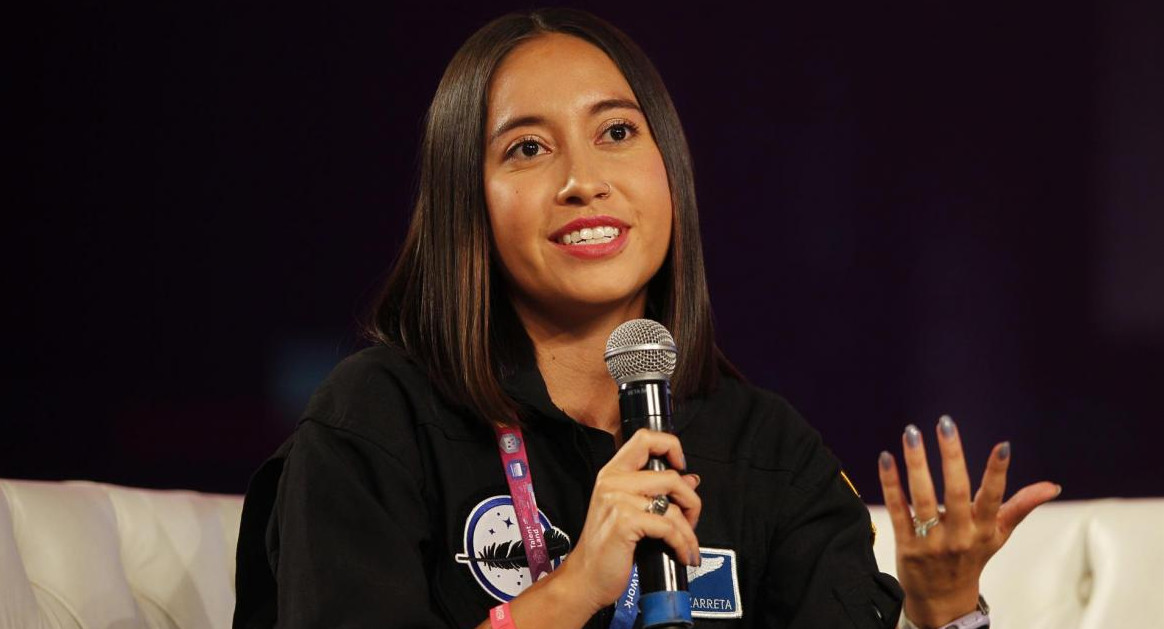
pixel 445 303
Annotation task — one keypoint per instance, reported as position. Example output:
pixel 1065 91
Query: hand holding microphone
pixel 621 526
pixel 641 357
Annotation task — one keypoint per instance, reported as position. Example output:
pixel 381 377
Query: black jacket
pixel 388 508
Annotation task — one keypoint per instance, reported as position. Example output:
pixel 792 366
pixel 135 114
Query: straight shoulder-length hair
pixel 445 303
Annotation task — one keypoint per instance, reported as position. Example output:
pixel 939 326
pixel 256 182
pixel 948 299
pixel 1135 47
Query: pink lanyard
pixel 511 443
pixel 525 505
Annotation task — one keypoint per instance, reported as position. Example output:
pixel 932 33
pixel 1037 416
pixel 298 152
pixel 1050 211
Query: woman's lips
pixel 596 250
pixel 591 237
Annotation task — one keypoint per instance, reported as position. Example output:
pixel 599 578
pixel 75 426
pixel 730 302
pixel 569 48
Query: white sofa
pixel 87 555
pixel 96 556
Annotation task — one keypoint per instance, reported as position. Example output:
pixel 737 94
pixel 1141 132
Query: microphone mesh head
pixel 640 349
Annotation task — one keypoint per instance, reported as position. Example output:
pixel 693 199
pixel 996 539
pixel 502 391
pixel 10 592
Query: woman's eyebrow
pixel 614 103
pixel 513 123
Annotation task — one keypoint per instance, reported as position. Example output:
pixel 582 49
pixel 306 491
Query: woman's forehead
pixel 554 71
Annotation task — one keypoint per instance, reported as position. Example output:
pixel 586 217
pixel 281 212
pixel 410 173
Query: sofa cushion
pixel 83 554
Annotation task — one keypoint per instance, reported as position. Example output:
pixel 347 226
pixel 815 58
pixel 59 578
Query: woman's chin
pixel 594 303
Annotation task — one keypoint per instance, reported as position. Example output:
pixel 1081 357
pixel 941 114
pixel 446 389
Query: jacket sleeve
pixel 336 526
pixel 347 536
pixel 821 571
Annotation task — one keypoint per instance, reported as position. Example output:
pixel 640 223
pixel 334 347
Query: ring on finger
pixel 658 505
pixel 921 528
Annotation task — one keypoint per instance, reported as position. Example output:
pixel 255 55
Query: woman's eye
pixel 525 149
pixel 620 131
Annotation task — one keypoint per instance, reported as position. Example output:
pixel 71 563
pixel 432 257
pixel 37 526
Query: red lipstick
pixel 591 251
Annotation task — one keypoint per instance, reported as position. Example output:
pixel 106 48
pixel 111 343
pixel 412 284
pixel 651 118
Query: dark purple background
pixel 908 209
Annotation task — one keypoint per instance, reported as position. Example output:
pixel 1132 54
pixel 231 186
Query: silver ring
pixel 658 505
pixel 921 529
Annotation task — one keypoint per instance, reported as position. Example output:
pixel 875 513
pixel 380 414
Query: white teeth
pixel 591 235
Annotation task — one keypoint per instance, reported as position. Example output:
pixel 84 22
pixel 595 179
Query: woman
pixel 557 202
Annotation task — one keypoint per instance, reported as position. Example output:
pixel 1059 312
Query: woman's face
pixel 576 188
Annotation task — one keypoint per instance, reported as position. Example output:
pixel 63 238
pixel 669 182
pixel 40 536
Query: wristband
pixel 499 617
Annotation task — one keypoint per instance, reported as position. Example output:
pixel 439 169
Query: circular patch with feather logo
pixel 493 551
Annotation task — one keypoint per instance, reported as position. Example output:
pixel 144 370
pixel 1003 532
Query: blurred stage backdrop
pixel 908 209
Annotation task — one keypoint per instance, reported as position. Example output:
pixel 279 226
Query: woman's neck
pixel 569 356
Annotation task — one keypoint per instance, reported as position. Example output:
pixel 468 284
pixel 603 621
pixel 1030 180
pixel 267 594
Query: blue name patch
pixel 715 585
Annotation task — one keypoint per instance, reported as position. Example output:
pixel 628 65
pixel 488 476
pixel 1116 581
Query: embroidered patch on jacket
pixel 493 551
pixel 715 585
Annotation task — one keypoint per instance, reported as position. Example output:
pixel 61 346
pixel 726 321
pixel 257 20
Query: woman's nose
pixel 583 184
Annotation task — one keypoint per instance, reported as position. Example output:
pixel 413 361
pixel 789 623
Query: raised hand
pixel 942 549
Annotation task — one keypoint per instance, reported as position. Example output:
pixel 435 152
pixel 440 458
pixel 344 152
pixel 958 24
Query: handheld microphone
pixel 640 356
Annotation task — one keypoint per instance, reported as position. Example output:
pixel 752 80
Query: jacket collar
pixel 525 384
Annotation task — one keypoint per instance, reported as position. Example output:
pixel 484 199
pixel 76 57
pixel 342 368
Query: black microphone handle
pixel 647 404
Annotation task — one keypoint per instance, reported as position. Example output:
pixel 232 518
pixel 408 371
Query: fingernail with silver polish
pixel 912 436
pixel 1004 451
pixel 946 426
pixel 885 460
